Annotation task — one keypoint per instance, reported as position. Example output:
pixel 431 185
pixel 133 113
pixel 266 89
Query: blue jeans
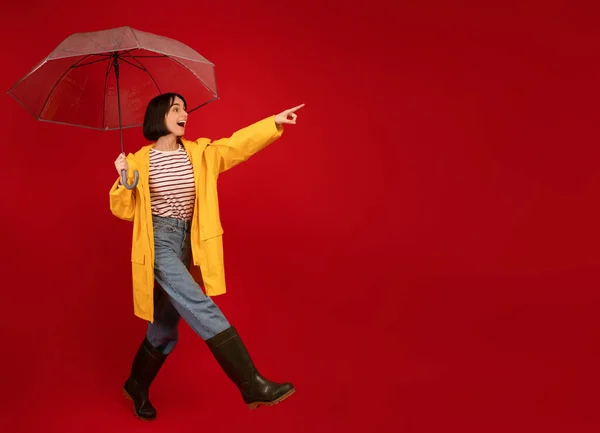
pixel 178 295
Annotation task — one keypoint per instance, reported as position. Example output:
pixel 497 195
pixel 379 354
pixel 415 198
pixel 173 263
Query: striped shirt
pixel 172 189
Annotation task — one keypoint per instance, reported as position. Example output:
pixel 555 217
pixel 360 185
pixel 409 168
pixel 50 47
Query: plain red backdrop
pixel 419 254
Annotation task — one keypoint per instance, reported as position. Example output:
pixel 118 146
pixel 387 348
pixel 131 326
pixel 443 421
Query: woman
pixel 177 242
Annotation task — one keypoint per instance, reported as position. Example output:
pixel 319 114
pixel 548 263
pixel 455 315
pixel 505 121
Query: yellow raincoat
pixel 208 159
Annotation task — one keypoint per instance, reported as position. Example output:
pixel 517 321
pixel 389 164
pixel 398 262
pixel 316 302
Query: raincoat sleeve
pixel 122 200
pixel 245 142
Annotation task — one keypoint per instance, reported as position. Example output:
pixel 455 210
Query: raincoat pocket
pixel 142 290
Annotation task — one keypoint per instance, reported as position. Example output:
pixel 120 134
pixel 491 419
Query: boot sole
pixel 128 397
pixel 255 405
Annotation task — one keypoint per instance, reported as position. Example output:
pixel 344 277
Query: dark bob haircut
pixel 154 120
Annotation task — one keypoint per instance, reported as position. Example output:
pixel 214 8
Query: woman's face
pixel 176 118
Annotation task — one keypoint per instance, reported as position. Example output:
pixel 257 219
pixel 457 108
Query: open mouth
pixel 181 124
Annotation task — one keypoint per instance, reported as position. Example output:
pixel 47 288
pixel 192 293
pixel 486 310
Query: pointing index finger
pixel 291 110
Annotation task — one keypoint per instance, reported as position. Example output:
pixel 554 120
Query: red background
pixel 419 254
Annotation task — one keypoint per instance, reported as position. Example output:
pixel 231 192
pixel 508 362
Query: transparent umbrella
pixel 104 80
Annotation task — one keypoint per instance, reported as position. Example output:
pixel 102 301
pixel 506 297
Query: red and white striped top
pixel 172 189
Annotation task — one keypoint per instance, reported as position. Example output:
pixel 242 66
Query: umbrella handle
pixel 136 177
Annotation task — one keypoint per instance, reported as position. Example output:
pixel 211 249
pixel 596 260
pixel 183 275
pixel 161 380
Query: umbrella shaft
pixel 116 66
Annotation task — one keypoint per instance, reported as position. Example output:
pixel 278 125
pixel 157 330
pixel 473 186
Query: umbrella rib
pixel 57 82
pixel 194 74
pixel 203 104
pixel 91 63
pixel 151 57
pixel 147 71
pixel 134 36
pixel 128 62
pixel 110 64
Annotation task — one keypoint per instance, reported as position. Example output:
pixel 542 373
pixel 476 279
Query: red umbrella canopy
pixel 104 79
